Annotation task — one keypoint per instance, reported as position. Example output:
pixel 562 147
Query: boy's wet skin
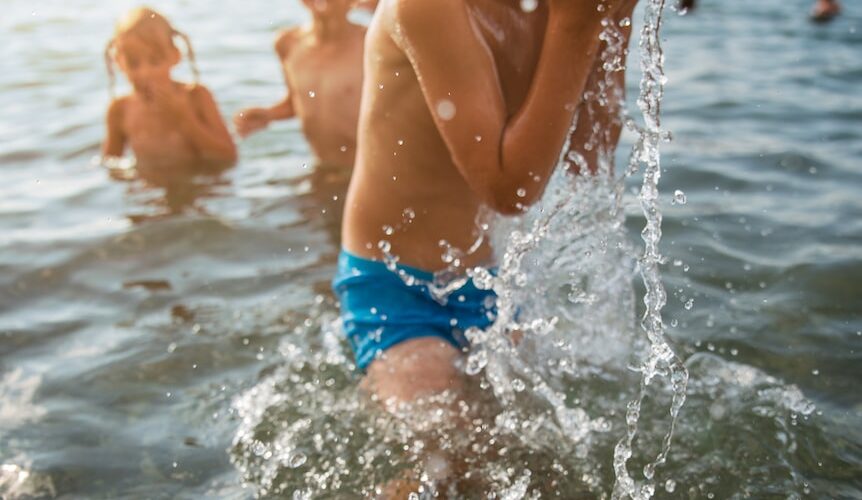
pixel 402 154
pixel 465 104
pixel 404 164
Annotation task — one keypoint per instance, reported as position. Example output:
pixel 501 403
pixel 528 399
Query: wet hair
pixel 152 28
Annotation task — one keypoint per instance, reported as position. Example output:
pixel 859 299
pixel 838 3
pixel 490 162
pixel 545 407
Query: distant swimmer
pixel 171 127
pixel 825 10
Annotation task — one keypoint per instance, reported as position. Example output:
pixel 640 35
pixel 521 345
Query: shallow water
pixel 145 337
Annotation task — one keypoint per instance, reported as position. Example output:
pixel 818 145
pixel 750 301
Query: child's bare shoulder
pixel 285 39
pixel 196 89
pixel 117 108
pixel 199 95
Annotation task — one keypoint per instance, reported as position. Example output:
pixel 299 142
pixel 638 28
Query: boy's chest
pixel 332 73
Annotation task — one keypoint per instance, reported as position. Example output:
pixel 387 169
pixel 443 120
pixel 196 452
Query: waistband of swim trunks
pixel 377 267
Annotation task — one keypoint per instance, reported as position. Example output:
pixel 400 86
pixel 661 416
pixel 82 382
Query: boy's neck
pixel 328 27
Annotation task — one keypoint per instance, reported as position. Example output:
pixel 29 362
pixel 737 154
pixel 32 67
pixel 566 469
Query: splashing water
pixel 662 361
pixel 563 214
pixel 549 385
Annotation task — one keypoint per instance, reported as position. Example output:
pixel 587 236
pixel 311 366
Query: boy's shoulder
pixel 424 14
pixel 285 39
pixel 118 106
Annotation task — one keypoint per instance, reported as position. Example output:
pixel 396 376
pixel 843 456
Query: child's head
pixel 329 7
pixel 143 47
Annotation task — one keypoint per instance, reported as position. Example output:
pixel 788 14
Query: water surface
pixel 144 332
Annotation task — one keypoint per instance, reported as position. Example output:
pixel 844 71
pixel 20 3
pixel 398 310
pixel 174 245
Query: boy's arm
pixel 511 163
pixel 250 120
pixel 207 130
pixel 284 108
pixel 115 140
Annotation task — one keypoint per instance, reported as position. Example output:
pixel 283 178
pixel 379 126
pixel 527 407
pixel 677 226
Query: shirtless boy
pixel 466 103
pixel 322 65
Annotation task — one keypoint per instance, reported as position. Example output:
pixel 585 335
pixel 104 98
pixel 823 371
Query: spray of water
pixel 661 360
pixel 571 223
pixel 566 317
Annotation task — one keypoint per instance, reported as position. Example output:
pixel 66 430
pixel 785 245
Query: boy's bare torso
pixel 322 77
pixel 405 178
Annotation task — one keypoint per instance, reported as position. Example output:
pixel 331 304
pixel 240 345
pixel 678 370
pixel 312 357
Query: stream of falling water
pixel 566 214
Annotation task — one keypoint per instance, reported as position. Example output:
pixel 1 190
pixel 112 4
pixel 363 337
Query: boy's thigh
pixel 413 369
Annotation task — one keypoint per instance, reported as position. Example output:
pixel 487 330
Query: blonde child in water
pixel 172 127
pixel 322 66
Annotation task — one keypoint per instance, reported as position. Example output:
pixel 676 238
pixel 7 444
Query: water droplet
pixel 670 485
pixel 688 304
pixel 476 362
pixel 296 459
pixel 521 192
pixel 478 138
pixel 311 94
pixel 388 230
pixel 445 109
pixel 400 142
pixel 625 22
pixel 518 385
pixel 384 246
pixel 679 198
pixel 529 5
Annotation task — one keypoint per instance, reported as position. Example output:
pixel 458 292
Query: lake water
pixel 168 344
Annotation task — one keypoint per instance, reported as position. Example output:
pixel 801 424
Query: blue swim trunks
pixel 379 309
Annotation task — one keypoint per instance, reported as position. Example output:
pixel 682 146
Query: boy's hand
pixel 250 120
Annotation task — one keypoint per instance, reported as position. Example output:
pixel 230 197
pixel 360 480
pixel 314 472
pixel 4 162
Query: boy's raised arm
pixel 500 156
pixel 250 120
